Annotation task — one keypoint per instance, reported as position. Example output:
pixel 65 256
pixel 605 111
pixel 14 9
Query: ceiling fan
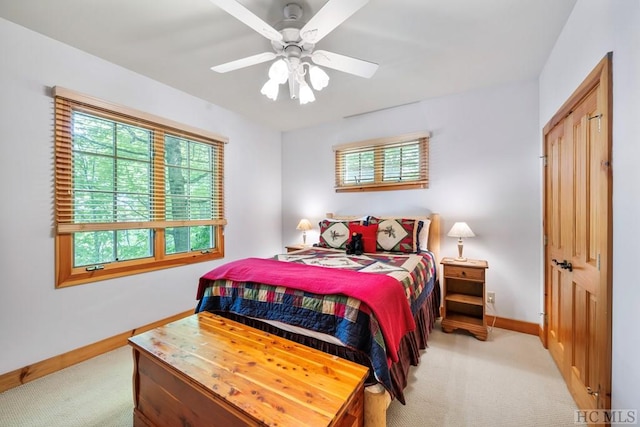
pixel 294 43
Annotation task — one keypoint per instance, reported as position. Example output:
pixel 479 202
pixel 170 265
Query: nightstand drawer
pixel 464 272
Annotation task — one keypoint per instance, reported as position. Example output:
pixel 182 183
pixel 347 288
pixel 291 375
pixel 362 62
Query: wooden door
pixel 558 206
pixel 578 235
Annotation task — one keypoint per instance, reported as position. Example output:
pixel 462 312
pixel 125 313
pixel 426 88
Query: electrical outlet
pixel 491 297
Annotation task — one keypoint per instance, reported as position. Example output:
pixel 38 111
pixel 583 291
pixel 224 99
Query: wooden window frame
pixel 66 102
pixel 378 146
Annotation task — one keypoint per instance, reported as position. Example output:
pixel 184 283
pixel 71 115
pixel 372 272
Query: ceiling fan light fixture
pixel 293 43
pixel 319 79
pixel 279 71
pixel 270 89
pixel 306 94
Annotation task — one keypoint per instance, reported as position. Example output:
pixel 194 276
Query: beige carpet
pixel 97 393
pixel 509 380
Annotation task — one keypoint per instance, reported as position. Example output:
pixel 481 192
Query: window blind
pixel 386 164
pixel 150 199
pixel 133 192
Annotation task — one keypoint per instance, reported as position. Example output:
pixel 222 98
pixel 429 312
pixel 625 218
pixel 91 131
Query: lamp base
pixel 460 257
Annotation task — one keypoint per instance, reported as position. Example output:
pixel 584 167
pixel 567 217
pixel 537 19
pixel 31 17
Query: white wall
pixel 594 28
pixel 484 169
pixel 38 321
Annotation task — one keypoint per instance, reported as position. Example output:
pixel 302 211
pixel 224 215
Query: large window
pixel 134 192
pixel 385 164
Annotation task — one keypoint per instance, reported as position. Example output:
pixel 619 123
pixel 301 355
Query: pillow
pixel 423 235
pixel 334 233
pixel 369 235
pixel 397 234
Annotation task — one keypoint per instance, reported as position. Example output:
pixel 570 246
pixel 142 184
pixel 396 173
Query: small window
pixel 399 163
pixel 134 192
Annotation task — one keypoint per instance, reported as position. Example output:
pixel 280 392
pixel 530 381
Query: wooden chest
pixel 206 370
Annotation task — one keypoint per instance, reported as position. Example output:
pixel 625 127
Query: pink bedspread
pixel 383 294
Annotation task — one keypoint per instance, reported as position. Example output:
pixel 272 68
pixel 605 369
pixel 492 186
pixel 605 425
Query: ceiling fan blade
pixel 332 14
pixel 244 15
pixel 244 62
pixel 343 63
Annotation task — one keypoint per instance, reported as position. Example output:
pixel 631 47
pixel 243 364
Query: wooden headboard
pixel 434 230
pixel 434 236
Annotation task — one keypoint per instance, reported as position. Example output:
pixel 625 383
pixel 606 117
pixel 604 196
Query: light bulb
pixel 306 94
pixel 270 89
pixel 319 79
pixel 279 71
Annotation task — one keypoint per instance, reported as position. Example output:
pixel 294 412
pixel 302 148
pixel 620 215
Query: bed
pixel 376 309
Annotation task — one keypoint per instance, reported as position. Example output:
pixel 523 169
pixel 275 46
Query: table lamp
pixel 305 226
pixel 460 230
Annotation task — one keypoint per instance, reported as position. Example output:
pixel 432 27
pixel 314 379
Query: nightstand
pixel 463 288
pixel 292 248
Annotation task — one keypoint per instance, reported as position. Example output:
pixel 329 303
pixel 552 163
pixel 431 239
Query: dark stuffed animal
pixel 358 244
pixel 350 247
pixel 355 246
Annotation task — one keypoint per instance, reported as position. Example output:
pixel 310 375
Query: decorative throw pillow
pixel 369 235
pixel 397 234
pixel 335 234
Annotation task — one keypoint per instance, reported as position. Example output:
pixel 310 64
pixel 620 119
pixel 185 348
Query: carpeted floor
pixel 97 393
pixel 509 380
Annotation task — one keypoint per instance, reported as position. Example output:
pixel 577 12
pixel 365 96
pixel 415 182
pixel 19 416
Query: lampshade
pixel 460 229
pixel 306 94
pixel 270 89
pixel 279 71
pixel 319 79
pixel 304 225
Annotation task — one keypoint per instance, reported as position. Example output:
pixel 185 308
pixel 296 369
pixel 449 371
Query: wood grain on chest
pixel 258 376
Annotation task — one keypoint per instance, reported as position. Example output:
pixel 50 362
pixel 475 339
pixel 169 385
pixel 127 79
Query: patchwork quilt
pixel 350 319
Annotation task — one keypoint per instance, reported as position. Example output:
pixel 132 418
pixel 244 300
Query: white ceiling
pixel 425 48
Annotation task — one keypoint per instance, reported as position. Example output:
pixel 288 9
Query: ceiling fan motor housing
pixel 293 11
pixel 290 30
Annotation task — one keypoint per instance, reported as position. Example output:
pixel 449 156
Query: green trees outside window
pixel 132 194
